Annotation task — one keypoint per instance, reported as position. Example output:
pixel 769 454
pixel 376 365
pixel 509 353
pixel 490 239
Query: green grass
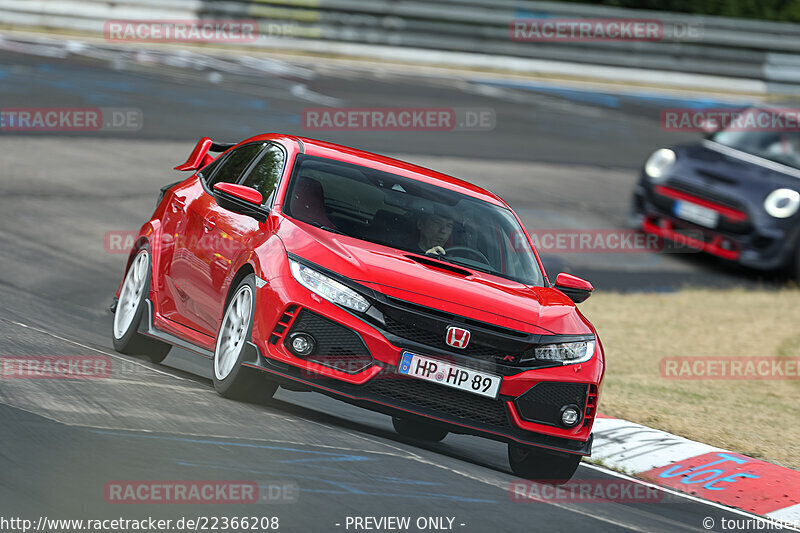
pixel 755 417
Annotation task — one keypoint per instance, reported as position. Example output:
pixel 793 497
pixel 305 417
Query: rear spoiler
pixel 199 156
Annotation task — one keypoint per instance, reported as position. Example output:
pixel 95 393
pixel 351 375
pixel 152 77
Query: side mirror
pixel 240 199
pixel 577 289
pixel 246 194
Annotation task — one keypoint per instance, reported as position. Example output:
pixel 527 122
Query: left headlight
pixel 782 203
pixel 659 163
pixel 567 352
pixel 328 288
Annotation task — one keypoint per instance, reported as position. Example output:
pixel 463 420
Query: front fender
pixel 149 235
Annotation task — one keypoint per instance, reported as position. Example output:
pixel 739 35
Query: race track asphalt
pixel 559 161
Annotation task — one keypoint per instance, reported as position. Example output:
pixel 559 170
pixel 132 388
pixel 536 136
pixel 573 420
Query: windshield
pixel 779 146
pixel 410 215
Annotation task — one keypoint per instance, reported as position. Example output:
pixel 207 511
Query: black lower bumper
pixel 760 248
pixel 392 394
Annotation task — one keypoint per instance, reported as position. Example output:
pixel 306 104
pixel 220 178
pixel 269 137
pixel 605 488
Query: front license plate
pixel 696 213
pixel 448 374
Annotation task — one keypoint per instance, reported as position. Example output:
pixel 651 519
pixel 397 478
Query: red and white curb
pixel 698 469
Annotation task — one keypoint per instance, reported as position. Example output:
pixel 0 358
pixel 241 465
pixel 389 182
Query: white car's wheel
pixel 130 309
pixel 231 378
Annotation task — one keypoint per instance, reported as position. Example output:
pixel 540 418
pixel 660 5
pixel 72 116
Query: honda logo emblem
pixel 457 337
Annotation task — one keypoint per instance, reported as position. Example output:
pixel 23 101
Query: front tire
pixel 130 309
pixel 418 429
pixel 794 264
pixel 539 465
pixel 231 378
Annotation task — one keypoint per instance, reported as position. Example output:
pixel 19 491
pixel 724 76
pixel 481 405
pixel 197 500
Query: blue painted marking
pixel 347 488
pixel 708 476
pixel 258 105
pixel 609 100
pixel 522 13
pixel 385 479
pixel 333 456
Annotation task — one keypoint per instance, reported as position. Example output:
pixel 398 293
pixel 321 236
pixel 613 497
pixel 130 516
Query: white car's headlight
pixel 328 288
pixel 568 352
pixel 659 163
pixel 782 203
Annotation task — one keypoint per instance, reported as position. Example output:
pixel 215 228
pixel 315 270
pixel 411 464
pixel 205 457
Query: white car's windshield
pixel 410 215
pixel 779 146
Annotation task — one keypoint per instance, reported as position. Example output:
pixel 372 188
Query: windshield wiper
pixel 324 227
pixel 453 261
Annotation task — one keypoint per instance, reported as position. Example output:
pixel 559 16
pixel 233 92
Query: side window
pixel 230 170
pixel 264 177
pixel 208 170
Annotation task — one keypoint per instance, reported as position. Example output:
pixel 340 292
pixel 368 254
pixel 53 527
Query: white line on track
pixel 115 356
pixel 503 485
pixel 687 496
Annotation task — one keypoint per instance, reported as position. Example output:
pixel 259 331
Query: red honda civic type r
pixel 315 267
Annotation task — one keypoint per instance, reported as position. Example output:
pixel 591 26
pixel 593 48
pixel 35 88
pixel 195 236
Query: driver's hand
pixel 436 250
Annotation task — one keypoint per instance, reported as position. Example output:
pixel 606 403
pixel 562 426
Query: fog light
pixel 570 415
pixel 302 344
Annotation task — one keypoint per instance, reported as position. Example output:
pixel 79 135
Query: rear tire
pixel 232 379
pixel 130 310
pixel 538 465
pixel 418 429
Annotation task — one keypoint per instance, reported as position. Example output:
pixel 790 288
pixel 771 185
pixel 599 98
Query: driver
pixel 434 231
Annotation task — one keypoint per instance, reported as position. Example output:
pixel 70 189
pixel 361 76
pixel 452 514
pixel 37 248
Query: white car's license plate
pixel 696 213
pixel 444 373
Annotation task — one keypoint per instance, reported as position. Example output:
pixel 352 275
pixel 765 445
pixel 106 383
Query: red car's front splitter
pixel 381 395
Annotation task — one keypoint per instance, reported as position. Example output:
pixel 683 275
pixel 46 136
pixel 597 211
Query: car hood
pixel 491 299
pixel 723 167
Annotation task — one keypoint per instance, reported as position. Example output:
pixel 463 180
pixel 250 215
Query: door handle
pixel 178 205
pixel 209 224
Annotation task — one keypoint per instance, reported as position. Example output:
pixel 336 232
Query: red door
pixel 215 237
pixel 208 239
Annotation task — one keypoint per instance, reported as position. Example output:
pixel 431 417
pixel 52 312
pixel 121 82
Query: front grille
pixel 702 193
pixel 543 402
pixel 433 399
pixel 431 331
pixel 725 225
pixel 413 332
pixel 337 346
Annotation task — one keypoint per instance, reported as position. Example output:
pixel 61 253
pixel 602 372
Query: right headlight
pixel 567 352
pixel 328 288
pixel 659 163
pixel 782 203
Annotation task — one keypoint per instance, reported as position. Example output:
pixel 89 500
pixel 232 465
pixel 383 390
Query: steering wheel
pixel 482 258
